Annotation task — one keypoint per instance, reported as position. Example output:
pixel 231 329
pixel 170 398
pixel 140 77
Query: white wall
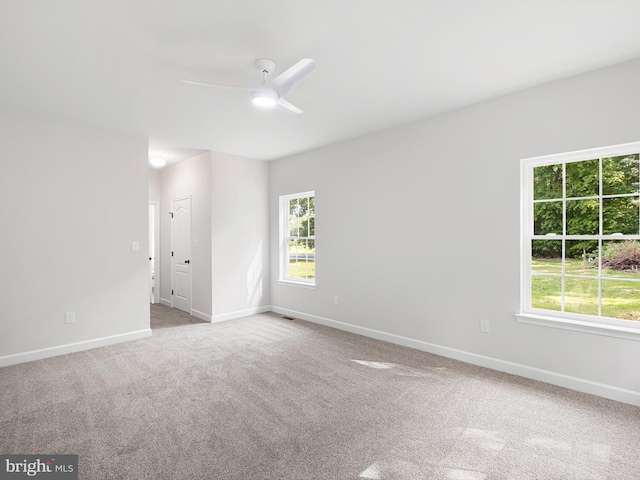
pixel 230 209
pixel 154 185
pixel 418 226
pixel 240 238
pixel 74 198
pixel 189 177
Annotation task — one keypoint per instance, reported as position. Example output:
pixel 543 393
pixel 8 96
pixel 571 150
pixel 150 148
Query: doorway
pixel 154 249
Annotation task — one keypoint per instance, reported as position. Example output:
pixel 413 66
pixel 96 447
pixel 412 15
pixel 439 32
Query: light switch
pixel 135 246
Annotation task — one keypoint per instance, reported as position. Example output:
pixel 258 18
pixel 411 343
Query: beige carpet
pixel 268 398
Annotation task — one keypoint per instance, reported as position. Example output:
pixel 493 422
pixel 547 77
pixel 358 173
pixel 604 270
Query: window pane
pixel 581 295
pixel 620 175
pixel 581 257
pixel 294 226
pixel 294 218
pixel 583 178
pixel 621 258
pixel 293 206
pixel 293 269
pixel 583 217
pixel 620 215
pixel 311 258
pixel 311 269
pixel 302 267
pixel 547 218
pixel 302 258
pixel 621 299
pixel 547 182
pixel 312 226
pixel 546 256
pixel 304 205
pixel 546 292
pixel 293 258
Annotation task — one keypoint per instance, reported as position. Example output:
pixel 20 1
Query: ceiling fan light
pixel 263 101
pixel 264 97
pixel 157 162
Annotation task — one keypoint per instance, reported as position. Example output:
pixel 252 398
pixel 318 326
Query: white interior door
pixel 181 253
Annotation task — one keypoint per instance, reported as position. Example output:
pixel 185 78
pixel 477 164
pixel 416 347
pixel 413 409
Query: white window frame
pixel 284 236
pixel 592 324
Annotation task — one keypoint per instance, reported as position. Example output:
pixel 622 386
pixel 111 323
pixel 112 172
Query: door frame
pixel 171 258
pixel 156 247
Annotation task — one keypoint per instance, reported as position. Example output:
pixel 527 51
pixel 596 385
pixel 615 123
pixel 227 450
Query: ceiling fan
pixel 271 93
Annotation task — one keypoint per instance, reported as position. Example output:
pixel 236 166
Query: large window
pixel 581 236
pixel 298 238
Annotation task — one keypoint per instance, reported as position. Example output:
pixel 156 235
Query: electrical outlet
pixel 70 317
pixel 335 300
pixel 484 326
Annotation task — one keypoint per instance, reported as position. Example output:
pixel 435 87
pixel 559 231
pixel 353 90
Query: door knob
pixel 187 261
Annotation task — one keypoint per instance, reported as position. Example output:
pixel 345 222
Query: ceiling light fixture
pixel 157 162
pixel 264 97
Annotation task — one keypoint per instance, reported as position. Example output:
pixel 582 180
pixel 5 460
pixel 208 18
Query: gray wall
pixel 74 199
pixel 240 238
pixel 418 226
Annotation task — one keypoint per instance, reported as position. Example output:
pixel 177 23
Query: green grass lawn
pixel 301 249
pixel 302 268
pixel 620 298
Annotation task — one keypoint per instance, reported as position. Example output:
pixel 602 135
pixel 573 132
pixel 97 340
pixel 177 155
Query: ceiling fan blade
pixel 287 107
pixel 218 85
pixel 290 77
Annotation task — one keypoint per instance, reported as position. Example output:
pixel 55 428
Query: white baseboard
pixel 166 302
pixel 559 379
pixel 240 313
pixel 32 355
pixel 202 316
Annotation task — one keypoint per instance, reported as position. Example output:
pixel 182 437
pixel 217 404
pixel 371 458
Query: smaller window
pixel 298 238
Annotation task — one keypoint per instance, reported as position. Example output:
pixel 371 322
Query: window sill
pixel 291 283
pixel 618 331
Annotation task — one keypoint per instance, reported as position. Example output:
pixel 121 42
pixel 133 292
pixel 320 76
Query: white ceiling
pixel 380 63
